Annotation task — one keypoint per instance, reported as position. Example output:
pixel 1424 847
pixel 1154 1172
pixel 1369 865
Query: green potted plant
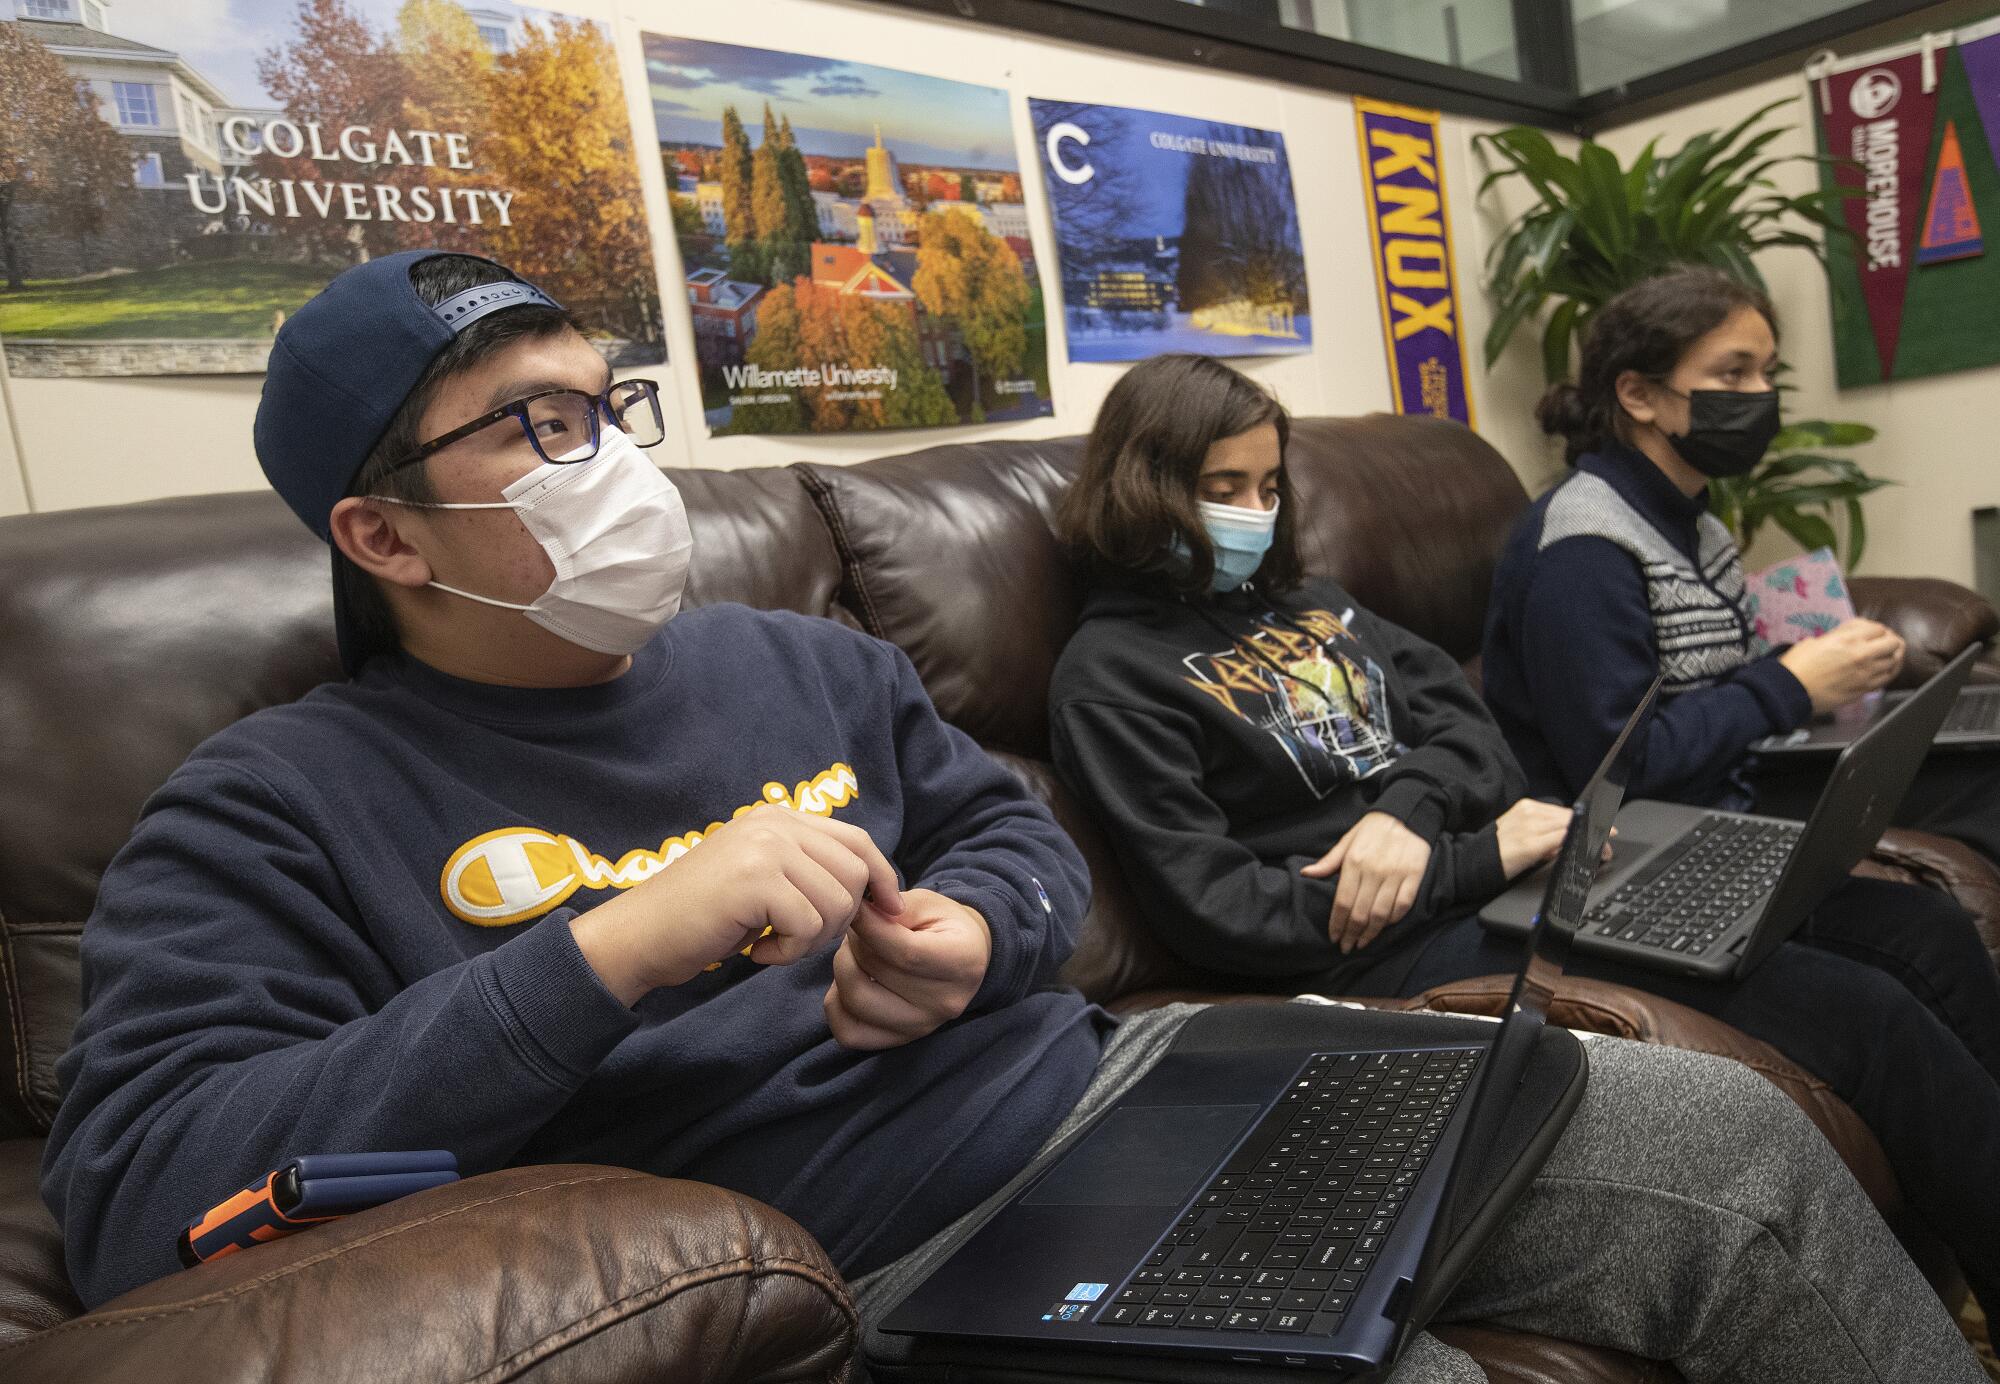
pixel 1596 227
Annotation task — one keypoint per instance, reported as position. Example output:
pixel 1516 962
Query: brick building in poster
pixel 725 315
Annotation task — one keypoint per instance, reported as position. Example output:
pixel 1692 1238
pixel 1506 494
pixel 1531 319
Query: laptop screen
pixel 1575 868
pixel 1548 946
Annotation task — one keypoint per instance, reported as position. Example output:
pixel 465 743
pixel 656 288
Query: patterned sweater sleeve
pixel 1588 651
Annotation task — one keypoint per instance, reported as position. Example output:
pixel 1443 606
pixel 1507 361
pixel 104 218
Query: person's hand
pixel 1381 863
pixel 1851 660
pixel 898 977
pixel 783 882
pixel 1531 833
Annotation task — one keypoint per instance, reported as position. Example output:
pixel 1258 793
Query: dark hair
pixel 370 623
pixel 1647 328
pixel 1135 491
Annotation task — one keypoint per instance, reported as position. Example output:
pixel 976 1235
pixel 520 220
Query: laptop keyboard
pixel 1972 714
pixel 1284 1235
pixel 1685 899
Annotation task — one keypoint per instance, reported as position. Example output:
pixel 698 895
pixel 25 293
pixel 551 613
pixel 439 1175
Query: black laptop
pixel 1971 723
pixel 1699 892
pixel 1292 1184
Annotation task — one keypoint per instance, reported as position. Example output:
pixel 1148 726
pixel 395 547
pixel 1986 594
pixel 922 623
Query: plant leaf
pixel 1818 432
pixel 1809 531
pixel 1556 340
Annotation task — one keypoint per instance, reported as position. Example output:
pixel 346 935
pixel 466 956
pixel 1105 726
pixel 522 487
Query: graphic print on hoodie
pixel 1305 681
pixel 1225 743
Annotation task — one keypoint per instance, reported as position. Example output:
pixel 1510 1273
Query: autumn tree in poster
pixel 245 178
pixel 56 156
pixel 974 282
pixel 855 242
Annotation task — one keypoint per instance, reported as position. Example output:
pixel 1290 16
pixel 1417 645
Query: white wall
pixel 106 441
pixel 13 479
pixel 1937 434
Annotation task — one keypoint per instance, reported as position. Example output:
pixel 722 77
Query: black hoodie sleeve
pixel 1458 774
pixel 1206 896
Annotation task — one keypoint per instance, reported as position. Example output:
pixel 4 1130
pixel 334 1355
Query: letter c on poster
pixel 1069 173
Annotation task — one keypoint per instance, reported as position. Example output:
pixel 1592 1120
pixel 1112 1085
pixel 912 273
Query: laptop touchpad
pixel 1145 1155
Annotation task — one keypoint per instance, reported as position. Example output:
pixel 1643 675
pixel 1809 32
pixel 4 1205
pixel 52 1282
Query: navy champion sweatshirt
pixel 343 926
pixel 1227 744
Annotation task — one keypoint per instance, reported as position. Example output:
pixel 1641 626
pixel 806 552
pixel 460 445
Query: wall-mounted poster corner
pixel 854 239
pixel 1409 225
pixel 184 187
pixel 1173 234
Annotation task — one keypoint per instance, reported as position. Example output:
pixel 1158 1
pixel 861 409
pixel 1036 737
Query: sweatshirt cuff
pixel 1000 985
pixel 561 1017
pixel 1778 691
pixel 1417 803
pixel 1481 876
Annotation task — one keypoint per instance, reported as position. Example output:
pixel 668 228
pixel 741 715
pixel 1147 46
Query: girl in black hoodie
pixel 1298 788
pixel 1306 797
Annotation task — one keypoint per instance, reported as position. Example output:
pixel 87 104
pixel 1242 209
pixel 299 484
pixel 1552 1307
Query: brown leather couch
pixel 129 634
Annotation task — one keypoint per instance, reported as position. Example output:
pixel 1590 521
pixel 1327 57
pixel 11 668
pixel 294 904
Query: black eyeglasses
pixel 563 425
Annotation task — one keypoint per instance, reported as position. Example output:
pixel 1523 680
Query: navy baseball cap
pixel 340 368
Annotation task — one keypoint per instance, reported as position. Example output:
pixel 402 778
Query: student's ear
pixel 1635 396
pixel 368 534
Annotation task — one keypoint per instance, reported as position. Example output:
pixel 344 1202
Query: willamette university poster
pixel 1173 234
pixel 183 174
pixel 854 240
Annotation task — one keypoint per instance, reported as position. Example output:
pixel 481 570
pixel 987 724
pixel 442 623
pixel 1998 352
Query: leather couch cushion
pixel 758 540
pixel 133 633
pixel 1409 514
pixel 1936 619
pixel 34 1291
pixel 950 554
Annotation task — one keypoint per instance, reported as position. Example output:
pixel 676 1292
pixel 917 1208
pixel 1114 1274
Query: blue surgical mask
pixel 1240 538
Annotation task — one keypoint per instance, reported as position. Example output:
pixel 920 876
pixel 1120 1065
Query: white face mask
pixel 617 533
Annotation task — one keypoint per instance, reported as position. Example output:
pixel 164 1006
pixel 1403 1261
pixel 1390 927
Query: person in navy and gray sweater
pixel 1620 572
pixel 565 874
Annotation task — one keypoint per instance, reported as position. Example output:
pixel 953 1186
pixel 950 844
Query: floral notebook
pixel 1798 598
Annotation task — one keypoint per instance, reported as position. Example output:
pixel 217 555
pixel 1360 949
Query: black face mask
pixel 1728 431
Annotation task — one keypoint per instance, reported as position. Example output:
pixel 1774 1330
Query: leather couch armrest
pixel 545 1273
pixel 1908 856
pixel 1515 1357
pixel 1936 618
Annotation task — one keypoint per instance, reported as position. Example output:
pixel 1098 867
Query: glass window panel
pixel 1474 34
pixel 1619 41
pixel 137 104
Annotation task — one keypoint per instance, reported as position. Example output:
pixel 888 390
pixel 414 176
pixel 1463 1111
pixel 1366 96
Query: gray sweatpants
pixel 1689 1213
